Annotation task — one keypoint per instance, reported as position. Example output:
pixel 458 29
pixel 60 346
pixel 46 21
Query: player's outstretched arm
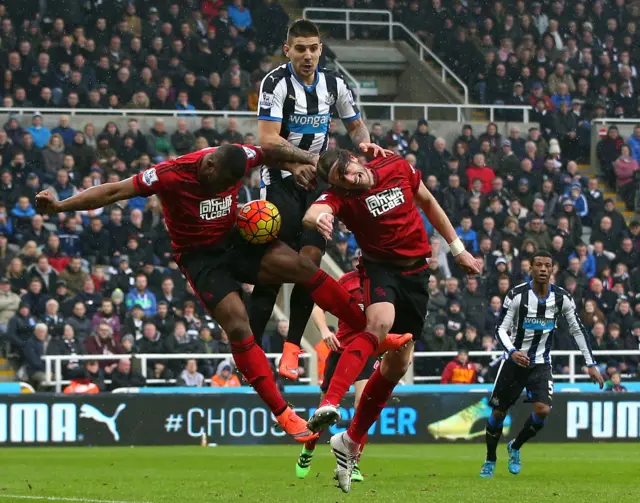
pixel 441 223
pixel 279 150
pixel 90 199
pixel 320 321
pixel 320 218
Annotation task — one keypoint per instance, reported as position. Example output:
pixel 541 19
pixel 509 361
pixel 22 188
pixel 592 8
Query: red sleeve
pixel 153 180
pixel 255 156
pixel 415 177
pixel 331 199
pixel 446 374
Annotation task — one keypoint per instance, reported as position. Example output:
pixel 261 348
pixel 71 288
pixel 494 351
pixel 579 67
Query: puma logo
pixel 90 412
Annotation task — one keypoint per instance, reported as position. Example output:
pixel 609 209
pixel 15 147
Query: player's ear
pixel 285 49
pixel 320 47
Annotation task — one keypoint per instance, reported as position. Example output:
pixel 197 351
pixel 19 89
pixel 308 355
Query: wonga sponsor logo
pixel 309 124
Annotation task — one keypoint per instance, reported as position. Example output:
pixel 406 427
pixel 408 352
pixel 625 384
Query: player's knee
pixel 312 253
pixel 304 269
pixel 379 325
pixel 238 330
pixel 499 414
pixel 542 410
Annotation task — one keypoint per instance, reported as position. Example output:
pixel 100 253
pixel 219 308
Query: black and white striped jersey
pixel 528 323
pixel 304 111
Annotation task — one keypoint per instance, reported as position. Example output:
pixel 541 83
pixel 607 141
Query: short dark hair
pixel 230 158
pixel 543 254
pixel 303 28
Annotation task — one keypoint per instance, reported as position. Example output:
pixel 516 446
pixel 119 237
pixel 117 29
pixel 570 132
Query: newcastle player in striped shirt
pixel 527 324
pixel 296 103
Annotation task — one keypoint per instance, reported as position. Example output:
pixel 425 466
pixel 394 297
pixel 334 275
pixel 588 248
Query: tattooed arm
pixel 358 132
pixel 278 149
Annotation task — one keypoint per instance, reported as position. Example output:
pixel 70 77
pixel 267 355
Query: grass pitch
pixel 393 473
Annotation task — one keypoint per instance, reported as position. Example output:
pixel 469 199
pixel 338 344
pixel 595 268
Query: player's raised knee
pixel 312 253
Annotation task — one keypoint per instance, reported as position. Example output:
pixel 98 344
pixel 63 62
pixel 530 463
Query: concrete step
pixel 608 193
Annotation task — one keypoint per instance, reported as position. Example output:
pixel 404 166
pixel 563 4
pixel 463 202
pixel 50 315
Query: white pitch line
pixel 55 498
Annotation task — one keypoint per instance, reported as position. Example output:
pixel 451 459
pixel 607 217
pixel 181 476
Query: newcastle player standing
pixel 296 103
pixel 527 324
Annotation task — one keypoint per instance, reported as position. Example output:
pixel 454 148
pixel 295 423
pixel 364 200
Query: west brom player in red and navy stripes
pixel 527 324
pixel 199 194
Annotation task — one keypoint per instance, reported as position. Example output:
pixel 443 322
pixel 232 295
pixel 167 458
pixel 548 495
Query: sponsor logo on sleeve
pixel 250 152
pixel 149 177
pixel 350 98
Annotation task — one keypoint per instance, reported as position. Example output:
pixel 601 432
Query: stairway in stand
pixel 6 372
pixel 587 169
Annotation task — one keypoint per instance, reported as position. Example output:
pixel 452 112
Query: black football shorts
pixel 513 379
pixel 293 201
pixel 405 287
pixel 220 270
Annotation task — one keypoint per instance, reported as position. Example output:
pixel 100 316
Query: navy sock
pixel 492 436
pixel 531 427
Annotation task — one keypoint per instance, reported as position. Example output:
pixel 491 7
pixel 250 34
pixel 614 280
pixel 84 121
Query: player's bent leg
pixel 254 366
pixel 356 475
pixel 380 317
pixel 301 306
pixel 346 446
pixel 263 298
pixel 493 432
pixel 534 423
pixel 280 264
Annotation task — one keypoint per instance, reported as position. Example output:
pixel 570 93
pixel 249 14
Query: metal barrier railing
pixel 53 363
pixel 424 108
pixel 348 22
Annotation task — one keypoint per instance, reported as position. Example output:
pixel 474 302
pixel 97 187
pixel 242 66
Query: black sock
pixel 492 436
pixel 263 298
pixel 301 307
pixel 531 427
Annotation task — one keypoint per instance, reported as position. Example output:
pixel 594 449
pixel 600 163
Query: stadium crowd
pixel 104 282
pixel 510 195
pixel 164 54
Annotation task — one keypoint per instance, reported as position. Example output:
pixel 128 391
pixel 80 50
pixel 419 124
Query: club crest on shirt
pixel 267 100
pixel 384 201
pixel 149 177
pixel 330 99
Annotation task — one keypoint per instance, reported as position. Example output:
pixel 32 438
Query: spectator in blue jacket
pixel 579 201
pixel 62 188
pixel 65 130
pixel 70 237
pixel 34 349
pixel 240 16
pixel 40 133
pixel 21 215
pixel 587 260
pixel 634 143
pixel 467 234
pixel 142 296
